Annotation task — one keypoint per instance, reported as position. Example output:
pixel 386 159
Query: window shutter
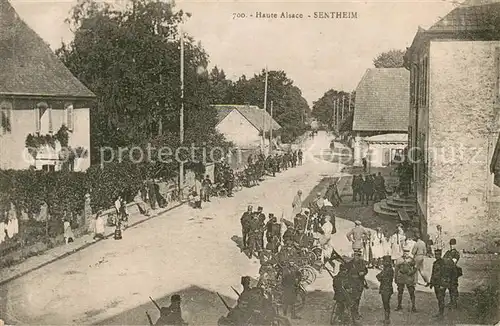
pixel 37 119
pixel 50 119
pixel 70 117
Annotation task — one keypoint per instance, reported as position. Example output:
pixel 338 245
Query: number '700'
pixel 238 15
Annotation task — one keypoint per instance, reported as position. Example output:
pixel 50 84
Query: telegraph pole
pixel 181 122
pixel 271 130
pixel 264 114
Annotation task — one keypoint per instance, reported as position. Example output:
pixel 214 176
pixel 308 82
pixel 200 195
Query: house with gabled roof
pixel 38 95
pixel 380 120
pixel 454 123
pixel 245 125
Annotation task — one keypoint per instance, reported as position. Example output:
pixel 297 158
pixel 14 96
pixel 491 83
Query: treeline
pixel 131 60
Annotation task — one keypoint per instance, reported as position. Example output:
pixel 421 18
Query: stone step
pixel 410 200
pixel 381 211
pixel 394 207
pixel 400 205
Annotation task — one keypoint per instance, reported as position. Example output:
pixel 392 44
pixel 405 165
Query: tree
pixel 290 109
pixel 390 59
pixel 324 108
pixel 131 60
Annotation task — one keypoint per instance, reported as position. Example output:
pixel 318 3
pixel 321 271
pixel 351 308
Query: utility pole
pixel 271 130
pixel 337 117
pixel 349 108
pixel 181 122
pixel 342 112
pixel 264 115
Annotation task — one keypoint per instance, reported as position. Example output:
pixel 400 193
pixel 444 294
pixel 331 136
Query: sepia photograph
pixel 249 163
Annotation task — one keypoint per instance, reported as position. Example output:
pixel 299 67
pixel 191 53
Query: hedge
pixel 65 191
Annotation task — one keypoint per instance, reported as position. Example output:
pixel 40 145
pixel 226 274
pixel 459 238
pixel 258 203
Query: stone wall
pixel 461 123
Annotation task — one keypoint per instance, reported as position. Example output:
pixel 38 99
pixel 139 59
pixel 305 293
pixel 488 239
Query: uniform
pixel 245 226
pixel 300 222
pixel 253 236
pixel 451 257
pixel 273 235
pixel 290 282
pixel 440 281
pixel 386 277
pixel 406 273
pixel 342 296
pixel 357 272
pixel 262 225
pixel 357 235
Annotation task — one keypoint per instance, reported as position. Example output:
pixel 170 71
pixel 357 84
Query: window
pixel 49 110
pixel 6 112
pixel 49 167
pixel 69 116
pixel 41 109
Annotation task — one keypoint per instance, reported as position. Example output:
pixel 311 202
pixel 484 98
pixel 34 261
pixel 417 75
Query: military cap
pixel 453 241
pixel 260 208
pixel 387 259
pixel 357 222
pixel 245 279
pixel 271 215
pixel 175 298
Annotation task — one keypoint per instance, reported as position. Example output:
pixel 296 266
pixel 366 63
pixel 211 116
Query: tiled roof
pixel 390 138
pixel 382 100
pixel 27 64
pixel 476 15
pixel 259 118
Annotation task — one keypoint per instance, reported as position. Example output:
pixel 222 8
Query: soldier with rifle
pixel 386 278
pixel 343 296
pixel 171 315
pixel 357 271
pixel 253 236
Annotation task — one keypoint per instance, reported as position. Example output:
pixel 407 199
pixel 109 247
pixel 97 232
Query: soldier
pixel 171 315
pixel 406 273
pixel 253 236
pixel 300 222
pixel 357 272
pixel 290 282
pixel 357 235
pixel 386 277
pixel 451 258
pixel 262 225
pixel 299 156
pixel 245 225
pixel 439 281
pixel 277 162
pixel 342 296
pixel 289 235
pixel 273 234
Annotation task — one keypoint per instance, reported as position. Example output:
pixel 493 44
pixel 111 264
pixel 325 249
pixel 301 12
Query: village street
pixel 182 250
pixel 193 253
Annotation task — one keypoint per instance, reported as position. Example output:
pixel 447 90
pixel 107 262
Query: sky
pixel 317 54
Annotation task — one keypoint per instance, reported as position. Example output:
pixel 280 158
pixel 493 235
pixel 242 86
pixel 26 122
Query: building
pixel 244 125
pixel 38 95
pixel 380 121
pixel 454 126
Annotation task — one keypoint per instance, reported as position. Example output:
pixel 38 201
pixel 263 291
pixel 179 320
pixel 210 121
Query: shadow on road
pixel 199 307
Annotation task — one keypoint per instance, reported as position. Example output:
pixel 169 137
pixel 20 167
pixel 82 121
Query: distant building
pixel 454 122
pixel 244 125
pixel 380 120
pixel 38 95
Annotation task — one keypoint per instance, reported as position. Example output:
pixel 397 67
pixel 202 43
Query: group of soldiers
pixel 368 187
